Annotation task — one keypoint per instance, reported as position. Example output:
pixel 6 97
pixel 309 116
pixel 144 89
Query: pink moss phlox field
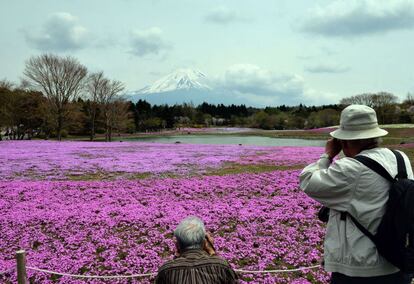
pixel 283 156
pixel 260 221
pixel 119 227
pixel 406 145
pixel 31 160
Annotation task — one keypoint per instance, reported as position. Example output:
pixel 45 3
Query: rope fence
pixel 91 276
pixel 22 271
pixel 277 271
pixel 6 271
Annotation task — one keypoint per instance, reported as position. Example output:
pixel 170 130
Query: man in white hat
pixel 348 186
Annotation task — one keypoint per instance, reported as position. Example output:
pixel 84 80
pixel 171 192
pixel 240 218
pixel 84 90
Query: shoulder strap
pixel 362 228
pixel 375 166
pixel 402 171
pixel 379 169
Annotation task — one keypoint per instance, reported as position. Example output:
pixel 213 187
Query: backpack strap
pixel 361 228
pixel 375 166
pixel 379 169
pixel 402 170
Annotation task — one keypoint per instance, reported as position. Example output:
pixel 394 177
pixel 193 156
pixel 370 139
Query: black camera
pixel 323 214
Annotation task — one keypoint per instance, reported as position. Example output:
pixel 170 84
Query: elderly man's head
pixel 190 233
pixel 358 129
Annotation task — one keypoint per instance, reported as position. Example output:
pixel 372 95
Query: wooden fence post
pixel 21 267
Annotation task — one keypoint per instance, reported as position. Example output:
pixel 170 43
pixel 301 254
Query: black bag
pixel 395 235
pixel 323 214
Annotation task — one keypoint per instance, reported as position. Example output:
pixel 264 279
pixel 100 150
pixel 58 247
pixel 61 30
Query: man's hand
pixel 177 249
pixel 209 245
pixel 333 147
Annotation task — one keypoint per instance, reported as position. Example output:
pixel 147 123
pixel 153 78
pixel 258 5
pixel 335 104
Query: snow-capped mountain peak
pixel 178 80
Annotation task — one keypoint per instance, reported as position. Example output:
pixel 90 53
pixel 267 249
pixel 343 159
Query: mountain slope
pixel 181 79
pixel 181 86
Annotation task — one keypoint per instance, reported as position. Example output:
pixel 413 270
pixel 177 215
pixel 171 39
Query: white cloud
pixel 259 84
pixel 253 85
pixel 359 17
pixel 223 15
pixel 315 97
pixel 150 41
pixel 60 32
pixel 327 68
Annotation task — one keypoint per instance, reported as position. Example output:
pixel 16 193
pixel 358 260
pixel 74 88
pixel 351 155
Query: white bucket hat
pixel 358 122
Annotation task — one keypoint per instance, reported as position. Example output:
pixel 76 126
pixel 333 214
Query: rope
pixel 6 272
pixel 153 274
pixel 277 271
pixel 91 276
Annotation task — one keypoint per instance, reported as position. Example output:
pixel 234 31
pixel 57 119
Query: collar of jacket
pixel 193 252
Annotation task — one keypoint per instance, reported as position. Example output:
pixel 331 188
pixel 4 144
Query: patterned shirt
pixel 196 266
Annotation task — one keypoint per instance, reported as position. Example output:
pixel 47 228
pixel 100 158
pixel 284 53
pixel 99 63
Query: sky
pixel 269 51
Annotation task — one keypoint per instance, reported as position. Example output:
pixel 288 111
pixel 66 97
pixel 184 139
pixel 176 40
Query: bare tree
pixel 96 86
pixel 6 84
pixel 121 116
pixel 371 99
pixel 61 79
pixel 107 96
pixel 383 99
pixel 362 99
pixel 382 102
pixel 409 99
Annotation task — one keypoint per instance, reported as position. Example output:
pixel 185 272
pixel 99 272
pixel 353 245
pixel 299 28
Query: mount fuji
pixel 180 86
pixel 181 79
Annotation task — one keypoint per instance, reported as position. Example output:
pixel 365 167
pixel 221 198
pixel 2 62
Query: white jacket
pixel 348 185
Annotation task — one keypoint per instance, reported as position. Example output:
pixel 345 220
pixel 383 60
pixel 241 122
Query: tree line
pixel 59 97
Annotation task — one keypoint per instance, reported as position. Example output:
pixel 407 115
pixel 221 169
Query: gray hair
pixel 190 233
pixel 365 143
